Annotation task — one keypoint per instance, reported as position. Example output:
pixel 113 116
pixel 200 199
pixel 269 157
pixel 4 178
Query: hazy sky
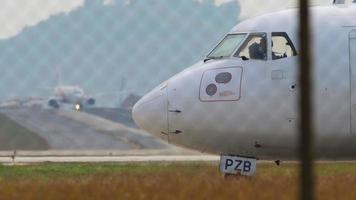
pixel 249 8
pixel 17 14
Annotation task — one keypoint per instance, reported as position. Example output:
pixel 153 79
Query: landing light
pixel 77 107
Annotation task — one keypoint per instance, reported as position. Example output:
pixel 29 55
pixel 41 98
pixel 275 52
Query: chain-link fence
pixel 100 57
pixel 115 47
pixel 88 74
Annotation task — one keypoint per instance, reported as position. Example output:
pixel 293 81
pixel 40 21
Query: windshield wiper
pixel 213 58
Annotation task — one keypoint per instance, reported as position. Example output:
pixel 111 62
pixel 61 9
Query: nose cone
pixel 150 112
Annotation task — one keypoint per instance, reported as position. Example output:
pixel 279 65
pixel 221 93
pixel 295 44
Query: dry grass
pixel 198 181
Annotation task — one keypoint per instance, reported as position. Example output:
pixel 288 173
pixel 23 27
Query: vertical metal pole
pixel 305 95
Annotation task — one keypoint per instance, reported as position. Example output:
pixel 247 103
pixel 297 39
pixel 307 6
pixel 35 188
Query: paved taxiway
pixel 108 159
pixel 70 130
pixel 89 137
pixel 133 156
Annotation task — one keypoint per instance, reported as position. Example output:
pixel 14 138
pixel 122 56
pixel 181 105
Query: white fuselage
pixel 252 108
pixel 70 95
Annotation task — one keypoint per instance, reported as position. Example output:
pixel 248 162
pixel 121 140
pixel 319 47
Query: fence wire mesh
pixel 150 74
pixel 101 57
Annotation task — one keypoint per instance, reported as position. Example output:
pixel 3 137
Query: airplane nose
pixel 150 112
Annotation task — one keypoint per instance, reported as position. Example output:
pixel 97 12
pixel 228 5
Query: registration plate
pixel 238 165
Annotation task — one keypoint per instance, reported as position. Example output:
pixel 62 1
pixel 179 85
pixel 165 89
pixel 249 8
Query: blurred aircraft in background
pixel 62 95
pixel 68 94
pixel 72 95
pixel 65 94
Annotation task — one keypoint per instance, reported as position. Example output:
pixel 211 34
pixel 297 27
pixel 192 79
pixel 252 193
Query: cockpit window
pixel 282 46
pixel 227 46
pixel 255 47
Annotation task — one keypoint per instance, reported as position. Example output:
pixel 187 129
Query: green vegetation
pixel 168 181
pixel 14 136
pixel 52 170
pixel 49 171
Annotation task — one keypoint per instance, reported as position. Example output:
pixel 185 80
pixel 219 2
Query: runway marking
pixel 100 159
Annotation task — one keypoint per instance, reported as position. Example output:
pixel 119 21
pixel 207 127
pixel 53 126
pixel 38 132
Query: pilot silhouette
pixel 258 50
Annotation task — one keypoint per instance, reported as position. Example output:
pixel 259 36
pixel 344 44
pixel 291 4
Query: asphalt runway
pixel 70 130
pixel 118 115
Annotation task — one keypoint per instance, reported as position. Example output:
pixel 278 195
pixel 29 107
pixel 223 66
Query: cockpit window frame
pixel 239 47
pixel 236 48
pixel 244 44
